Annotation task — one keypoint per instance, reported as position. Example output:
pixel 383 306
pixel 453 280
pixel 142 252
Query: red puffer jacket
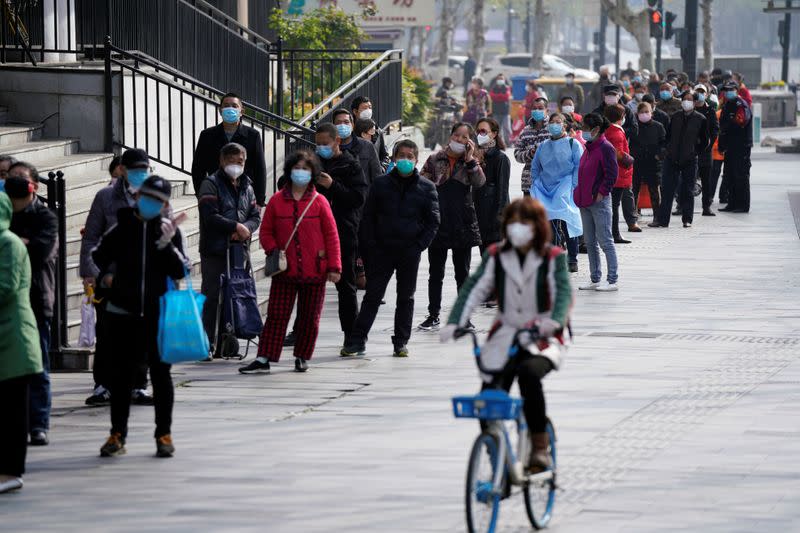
pixel 616 136
pixel 314 250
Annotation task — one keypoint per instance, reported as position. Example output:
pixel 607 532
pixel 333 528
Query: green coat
pixel 20 352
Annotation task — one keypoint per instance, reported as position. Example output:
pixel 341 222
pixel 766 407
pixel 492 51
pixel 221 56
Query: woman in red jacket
pixel 312 256
pixel 622 187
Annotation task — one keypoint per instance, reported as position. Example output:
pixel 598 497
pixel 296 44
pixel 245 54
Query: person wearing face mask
pixel 229 215
pixel 456 172
pixel 647 150
pixel 687 139
pixel 705 161
pixel 134 259
pixel 478 102
pixel 621 194
pixel 492 198
pixel 361 149
pixel 500 94
pixel 611 96
pixel 658 115
pixel 639 90
pixel 367 130
pixel 597 174
pixel 554 175
pixel 571 90
pixel 37 226
pixel 735 143
pixel 666 99
pixel 231 129
pixel 361 109
pixel 531 95
pixel 299 220
pixel 134 168
pixel 530 278
pixel 401 218
pixel 534 134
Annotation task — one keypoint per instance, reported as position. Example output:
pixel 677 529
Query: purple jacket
pixel 597 172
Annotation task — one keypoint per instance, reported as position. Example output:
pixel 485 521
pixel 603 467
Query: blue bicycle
pixel 494 469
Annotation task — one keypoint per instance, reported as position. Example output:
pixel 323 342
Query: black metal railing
pixel 56 201
pixel 163 111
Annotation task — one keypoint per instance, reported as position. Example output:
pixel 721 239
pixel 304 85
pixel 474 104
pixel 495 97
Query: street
pixel 677 409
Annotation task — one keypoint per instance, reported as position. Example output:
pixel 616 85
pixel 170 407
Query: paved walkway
pixel 678 409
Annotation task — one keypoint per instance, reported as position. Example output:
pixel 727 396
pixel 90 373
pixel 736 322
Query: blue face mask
pixel 701 97
pixel 730 95
pixel 665 95
pixel 230 115
pixel 324 151
pixel 555 129
pixel 587 136
pixel 137 176
pixel 637 79
pixel 149 207
pixel 405 166
pixel 344 130
pixel 538 115
pixel 301 176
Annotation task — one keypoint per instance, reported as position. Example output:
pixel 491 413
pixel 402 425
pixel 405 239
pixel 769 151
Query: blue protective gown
pixel 554 175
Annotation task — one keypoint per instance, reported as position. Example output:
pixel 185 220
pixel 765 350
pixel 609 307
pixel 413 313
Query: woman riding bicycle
pixel 530 279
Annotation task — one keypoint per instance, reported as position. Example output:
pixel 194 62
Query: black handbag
pixel 276 261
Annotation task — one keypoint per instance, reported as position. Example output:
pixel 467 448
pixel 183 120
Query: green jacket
pixel 20 352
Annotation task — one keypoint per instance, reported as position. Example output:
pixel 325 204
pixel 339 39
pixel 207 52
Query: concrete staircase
pixel 85 174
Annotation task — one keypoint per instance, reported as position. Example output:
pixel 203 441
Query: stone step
pixel 17 134
pixel 42 152
pixel 788 148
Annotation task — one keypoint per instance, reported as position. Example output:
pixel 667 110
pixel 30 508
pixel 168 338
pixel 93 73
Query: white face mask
pixel 687 105
pixel 365 114
pixel 483 139
pixel 457 148
pixel 234 171
pixel 568 109
pixel 610 99
pixel 638 96
pixel 519 234
pixel 644 118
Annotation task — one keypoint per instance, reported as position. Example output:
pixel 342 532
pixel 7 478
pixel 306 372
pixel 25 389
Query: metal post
pixel 690 52
pixel 787 32
pixel 601 52
pixel 62 257
pixel 616 50
pixel 528 26
pixel 108 19
pixel 108 89
pixel 279 51
pixel 509 42
pixel 659 36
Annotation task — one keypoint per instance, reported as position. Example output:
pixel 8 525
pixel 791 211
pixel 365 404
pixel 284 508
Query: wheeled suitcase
pixel 238 315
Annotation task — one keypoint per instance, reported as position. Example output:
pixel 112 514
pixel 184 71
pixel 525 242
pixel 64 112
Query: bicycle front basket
pixel 488 405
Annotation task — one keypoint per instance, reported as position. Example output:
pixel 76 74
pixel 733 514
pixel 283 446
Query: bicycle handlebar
pixel 512 351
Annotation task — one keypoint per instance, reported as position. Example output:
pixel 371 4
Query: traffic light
pixel 669 18
pixel 656 23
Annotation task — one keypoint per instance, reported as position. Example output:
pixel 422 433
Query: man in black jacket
pixel 647 150
pixel 146 249
pixel 343 183
pixel 211 141
pixel 687 138
pixel 658 115
pixel 400 220
pixel 611 96
pixel 228 214
pixel 361 149
pixel 705 161
pixel 735 143
pixel 37 226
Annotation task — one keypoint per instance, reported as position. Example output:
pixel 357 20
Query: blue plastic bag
pixel 181 337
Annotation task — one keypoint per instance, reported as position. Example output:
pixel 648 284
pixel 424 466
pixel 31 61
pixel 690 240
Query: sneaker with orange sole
pixel 115 445
pixel 164 447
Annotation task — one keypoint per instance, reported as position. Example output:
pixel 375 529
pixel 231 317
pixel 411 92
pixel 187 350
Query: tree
pixel 708 34
pixel 542 30
pixel 635 23
pixel 445 35
pixel 478 34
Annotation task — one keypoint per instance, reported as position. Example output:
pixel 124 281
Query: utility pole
pixel 616 51
pixel 787 32
pixel 659 36
pixel 528 26
pixel 509 41
pixel 690 51
pixel 601 38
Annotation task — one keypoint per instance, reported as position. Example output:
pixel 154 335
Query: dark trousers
pixel 624 196
pixel 561 238
pixel 709 183
pixel 716 173
pixel 212 266
pixel 680 179
pixel 282 295
pixel 737 166
pixel 348 301
pixel 39 386
pixel 14 421
pixel 437 257
pixel 381 266
pixel 653 181
pixel 529 373
pixel 103 359
pixel 132 342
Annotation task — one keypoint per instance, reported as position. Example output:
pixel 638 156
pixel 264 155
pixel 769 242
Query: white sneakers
pixel 14 483
pixel 599 286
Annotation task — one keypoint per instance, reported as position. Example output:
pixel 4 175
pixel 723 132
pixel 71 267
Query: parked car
pixel 435 70
pixel 518 64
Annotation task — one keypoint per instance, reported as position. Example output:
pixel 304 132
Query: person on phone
pixel 299 220
pixel 145 247
pixel 229 215
pixel 456 172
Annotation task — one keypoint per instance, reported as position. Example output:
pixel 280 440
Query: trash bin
pixel 518 87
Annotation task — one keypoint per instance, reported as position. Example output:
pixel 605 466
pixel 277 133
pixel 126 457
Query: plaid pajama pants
pixel 282 295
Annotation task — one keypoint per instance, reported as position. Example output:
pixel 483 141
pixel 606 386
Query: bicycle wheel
pixel 540 495
pixel 483 501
